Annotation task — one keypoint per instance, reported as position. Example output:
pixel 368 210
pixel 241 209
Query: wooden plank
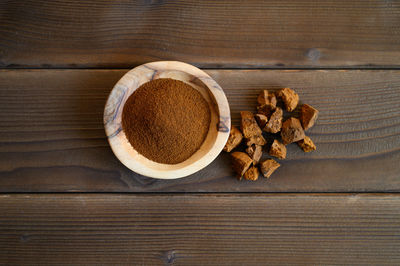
pixel 226 34
pixel 199 229
pixel 52 136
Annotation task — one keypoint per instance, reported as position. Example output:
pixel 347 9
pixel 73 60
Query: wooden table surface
pixel 66 199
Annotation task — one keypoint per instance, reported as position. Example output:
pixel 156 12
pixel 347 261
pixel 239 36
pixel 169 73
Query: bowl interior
pixel 217 134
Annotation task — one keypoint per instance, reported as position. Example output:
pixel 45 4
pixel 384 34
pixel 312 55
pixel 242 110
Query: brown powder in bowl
pixel 166 120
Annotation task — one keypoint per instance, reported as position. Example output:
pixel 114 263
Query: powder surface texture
pixel 166 120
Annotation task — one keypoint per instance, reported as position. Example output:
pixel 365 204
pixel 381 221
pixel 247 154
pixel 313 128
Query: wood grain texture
pixel 52 136
pixel 256 33
pixel 255 229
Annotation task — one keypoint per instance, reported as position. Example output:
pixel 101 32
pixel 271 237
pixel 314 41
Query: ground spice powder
pixel 166 120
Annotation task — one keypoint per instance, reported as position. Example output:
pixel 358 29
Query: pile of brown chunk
pixel 269 119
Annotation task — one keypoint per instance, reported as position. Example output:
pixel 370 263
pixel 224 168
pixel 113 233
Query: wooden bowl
pixel 218 132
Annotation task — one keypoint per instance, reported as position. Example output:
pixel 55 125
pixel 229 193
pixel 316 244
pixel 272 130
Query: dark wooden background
pixel 338 205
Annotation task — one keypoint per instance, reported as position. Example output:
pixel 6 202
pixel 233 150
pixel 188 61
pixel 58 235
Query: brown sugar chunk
pixel 251 174
pixel 265 109
pixel 308 116
pixel 257 140
pixel 278 150
pixel 307 144
pixel 255 153
pixel 275 121
pixel 292 131
pixel 235 137
pixel 249 125
pixel 267 167
pixel 240 163
pixel 261 120
pixel 290 98
pixel 267 98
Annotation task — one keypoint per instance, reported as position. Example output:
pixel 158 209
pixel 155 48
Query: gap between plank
pixel 214 68
pixel 269 194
